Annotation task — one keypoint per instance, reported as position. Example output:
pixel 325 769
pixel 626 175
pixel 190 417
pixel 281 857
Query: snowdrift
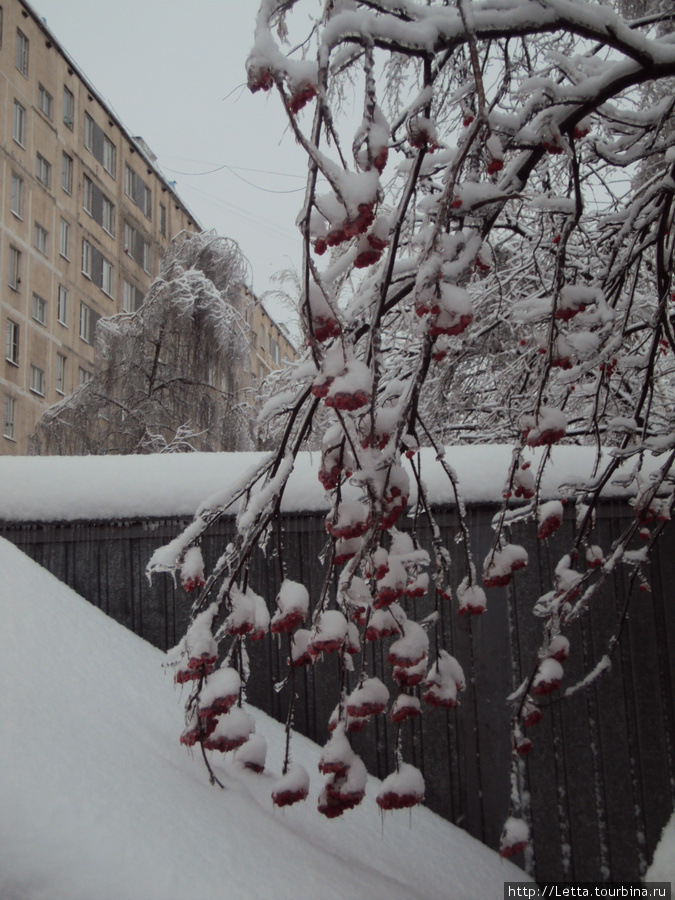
pixel 100 802
pixel 61 488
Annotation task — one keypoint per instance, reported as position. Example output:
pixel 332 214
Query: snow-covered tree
pixel 170 376
pixel 488 240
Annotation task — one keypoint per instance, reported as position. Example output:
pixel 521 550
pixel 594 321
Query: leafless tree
pixel 168 377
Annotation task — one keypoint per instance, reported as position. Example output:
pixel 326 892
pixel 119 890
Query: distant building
pixel 85 215
pixel 271 345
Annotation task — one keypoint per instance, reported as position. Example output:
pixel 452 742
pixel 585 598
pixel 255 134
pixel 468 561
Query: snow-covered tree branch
pixel 488 240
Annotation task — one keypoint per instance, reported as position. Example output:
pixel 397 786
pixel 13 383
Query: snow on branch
pixel 492 264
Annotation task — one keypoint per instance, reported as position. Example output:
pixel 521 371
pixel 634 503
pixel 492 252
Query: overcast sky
pixel 173 71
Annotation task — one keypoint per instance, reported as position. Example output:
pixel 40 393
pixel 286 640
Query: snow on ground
pixel 663 864
pixel 91 487
pixel 100 801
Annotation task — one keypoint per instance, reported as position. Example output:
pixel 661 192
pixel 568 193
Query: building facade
pixel 85 215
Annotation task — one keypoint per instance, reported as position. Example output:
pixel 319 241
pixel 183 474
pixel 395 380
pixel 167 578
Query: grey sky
pixel 172 70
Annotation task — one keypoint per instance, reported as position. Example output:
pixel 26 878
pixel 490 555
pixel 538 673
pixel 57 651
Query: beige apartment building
pixel 85 215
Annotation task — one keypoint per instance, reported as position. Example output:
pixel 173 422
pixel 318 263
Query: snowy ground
pixel 663 864
pixel 102 802
pixel 94 487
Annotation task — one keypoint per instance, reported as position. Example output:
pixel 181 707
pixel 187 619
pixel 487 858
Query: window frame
pixel 9 418
pixel 64 239
pixel 22 51
pixel 14 268
pixel 147 257
pixel 38 309
pixel 109 161
pixel 43 170
pixel 162 220
pixel 19 124
pixel 16 197
pixel 108 216
pixel 45 102
pixel 85 320
pixel 41 239
pixel 83 376
pixel 60 374
pixel 12 342
pixel 37 381
pixel 107 277
pixel 87 258
pixel 128 292
pixel 88 133
pixel 62 306
pixel 68 108
pixel 88 195
pixel 67 173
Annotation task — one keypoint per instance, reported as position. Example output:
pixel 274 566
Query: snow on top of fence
pixel 57 488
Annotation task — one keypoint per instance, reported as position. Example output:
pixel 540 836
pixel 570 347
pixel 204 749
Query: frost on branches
pixel 488 238
pixel 167 376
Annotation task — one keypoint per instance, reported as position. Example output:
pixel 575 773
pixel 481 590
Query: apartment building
pixel 85 215
pixel 271 345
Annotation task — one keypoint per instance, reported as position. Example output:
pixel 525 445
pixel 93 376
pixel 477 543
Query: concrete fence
pixel 601 776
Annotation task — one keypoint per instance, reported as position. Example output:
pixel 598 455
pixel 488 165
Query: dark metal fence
pixel 601 776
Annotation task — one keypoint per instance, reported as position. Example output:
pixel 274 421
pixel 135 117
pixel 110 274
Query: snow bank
pixel 663 865
pixel 101 802
pixel 60 488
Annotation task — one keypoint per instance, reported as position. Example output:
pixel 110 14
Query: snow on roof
pixel 103 803
pixel 59 488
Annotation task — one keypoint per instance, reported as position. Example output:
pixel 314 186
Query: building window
pixel 162 219
pixel 67 173
pixel 62 306
pixel 37 380
pixel 86 257
pixel 68 108
pixel 109 156
pixel 108 217
pixel 64 239
pixel 39 309
pixel 60 374
pixel 12 343
pixel 107 278
pixel 88 322
pixel 83 376
pixel 137 190
pixel 136 247
pixel 40 239
pixel 19 127
pixel 89 132
pixel 132 297
pixel 16 199
pixel 14 268
pixel 21 52
pixel 0 26
pixel 127 296
pixel 88 196
pixel 99 144
pixel 85 322
pixel 43 170
pixel 274 350
pixel 9 425
pixel 45 102
pixel 129 238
